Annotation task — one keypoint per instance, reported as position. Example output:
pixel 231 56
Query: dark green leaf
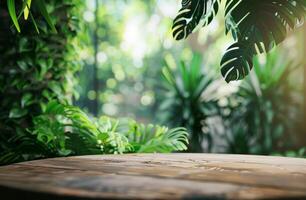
pixel 17 113
pixel 236 62
pixel 190 15
pixel 42 8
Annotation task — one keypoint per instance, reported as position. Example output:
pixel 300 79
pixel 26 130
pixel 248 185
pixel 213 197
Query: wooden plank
pixel 159 176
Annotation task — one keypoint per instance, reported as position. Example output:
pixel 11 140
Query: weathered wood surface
pixel 156 176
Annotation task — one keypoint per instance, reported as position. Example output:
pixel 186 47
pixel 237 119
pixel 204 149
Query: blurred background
pixel 132 67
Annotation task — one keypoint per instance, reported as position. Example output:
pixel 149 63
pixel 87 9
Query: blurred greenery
pixel 128 60
pixel 267 114
pixel 119 59
pixel 134 81
pixel 37 127
pixel 188 102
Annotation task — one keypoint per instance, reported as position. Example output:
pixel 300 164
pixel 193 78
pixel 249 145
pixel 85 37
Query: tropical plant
pixel 26 9
pixel 300 153
pixel 64 130
pixel 262 121
pixel 256 26
pixel 185 103
pixel 153 138
pixel 36 68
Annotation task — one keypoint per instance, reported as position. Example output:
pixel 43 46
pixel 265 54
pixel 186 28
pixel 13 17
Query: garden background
pixel 118 59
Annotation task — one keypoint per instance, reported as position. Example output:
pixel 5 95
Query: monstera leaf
pixel 256 26
pixel 264 23
pixel 191 14
pixel 237 62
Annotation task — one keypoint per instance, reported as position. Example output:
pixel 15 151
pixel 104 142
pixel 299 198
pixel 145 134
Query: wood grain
pixel 156 176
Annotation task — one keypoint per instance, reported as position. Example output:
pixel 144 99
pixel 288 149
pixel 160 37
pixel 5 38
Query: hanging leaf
pixel 42 8
pixel 27 9
pixel 34 22
pixel 264 24
pixel 190 15
pixel 211 12
pixel 12 12
pixel 259 25
pixel 236 62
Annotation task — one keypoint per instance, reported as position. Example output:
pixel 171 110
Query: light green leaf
pixel 12 12
pixel 27 9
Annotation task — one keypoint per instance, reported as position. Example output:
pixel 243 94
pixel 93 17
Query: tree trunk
pixel 304 63
pixel 96 78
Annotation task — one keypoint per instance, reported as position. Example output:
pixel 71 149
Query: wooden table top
pixel 156 176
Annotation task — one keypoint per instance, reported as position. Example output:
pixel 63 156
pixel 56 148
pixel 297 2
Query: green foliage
pixel 154 138
pixel 237 62
pixel 40 68
pixel 12 12
pixel 64 130
pixel 25 7
pixel 35 69
pixel 184 103
pixel 267 111
pixel 68 130
pixel 194 11
pixel 301 153
pixel 256 26
pixel 129 58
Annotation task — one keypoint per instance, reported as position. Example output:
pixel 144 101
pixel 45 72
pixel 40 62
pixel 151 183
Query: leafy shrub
pixel 267 114
pixel 185 103
pixel 153 138
pixel 301 153
pixel 35 68
pixel 64 130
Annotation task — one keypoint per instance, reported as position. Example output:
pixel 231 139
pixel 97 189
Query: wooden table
pixel 156 176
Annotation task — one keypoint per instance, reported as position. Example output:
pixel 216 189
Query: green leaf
pixel 27 9
pixel 184 74
pixel 42 8
pixel 55 87
pixel 22 65
pixel 236 62
pixel 26 99
pixel 195 70
pixel 190 15
pixel 12 12
pixel 17 113
pixel 259 25
pixel 264 23
pixel 34 22
pixel 160 139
